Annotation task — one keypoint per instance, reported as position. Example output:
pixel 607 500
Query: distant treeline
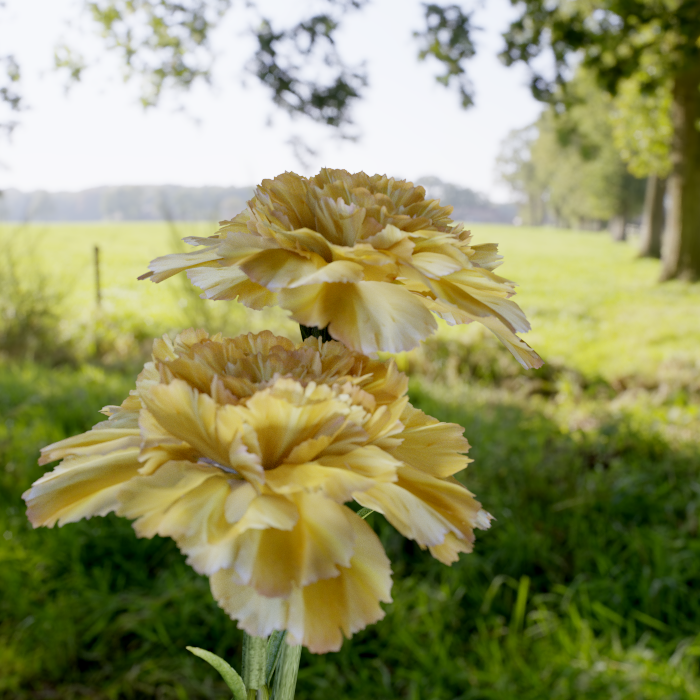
pixel 175 203
pixel 132 203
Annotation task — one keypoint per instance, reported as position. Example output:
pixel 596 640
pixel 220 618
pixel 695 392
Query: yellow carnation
pixel 245 451
pixel 368 258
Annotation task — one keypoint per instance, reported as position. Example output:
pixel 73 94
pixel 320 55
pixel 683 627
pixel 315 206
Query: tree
pixel 516 168
pixel 642 130
pixel 568 164
pixel 657 40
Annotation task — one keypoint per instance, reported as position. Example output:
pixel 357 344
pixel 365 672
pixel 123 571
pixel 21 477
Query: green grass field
pixel 586 586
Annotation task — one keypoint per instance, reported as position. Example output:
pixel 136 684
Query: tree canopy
pixel 168 44
pixel 566 167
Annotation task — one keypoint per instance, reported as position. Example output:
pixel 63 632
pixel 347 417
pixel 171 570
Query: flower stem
pixel 310 331
pixel 287 670
pixel 254 662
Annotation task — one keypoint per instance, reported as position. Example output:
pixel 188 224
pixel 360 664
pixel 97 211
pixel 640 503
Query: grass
pixel 586 586
pixel 593 307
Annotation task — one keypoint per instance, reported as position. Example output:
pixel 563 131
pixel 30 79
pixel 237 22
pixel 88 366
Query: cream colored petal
pixel 338 271
pixel 486 255
pixel 322 540
pixel 322 613
pixel 387 238
pixel 269 511
pixel 239 499
pixel 237 245
pixel 424 508
pixel 384 381
pixel 215 432
pixel 158 446
pixel 198 507
pixel 197 522
pixel 230 283
pixel 366 316
pixel 431 446
pixel 474 305
pixel 226 543
pixel 337 477
pixel 317 615
pixel 385 424
pixel 280 425
pixel 92 442
pixel 190 504
pixel 457 306
pixel 305 239
pixel 147 499
pixel 308 450
pixel 81 487
pixel 435 265
pixel 169 265
pixel 448 552
pixel 256 614
pixel 278 268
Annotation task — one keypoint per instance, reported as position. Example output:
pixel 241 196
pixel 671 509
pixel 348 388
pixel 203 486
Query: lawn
pixel 586 586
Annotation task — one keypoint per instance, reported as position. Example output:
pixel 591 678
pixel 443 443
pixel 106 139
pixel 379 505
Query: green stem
pixel 309 331
pixel 254 661
pixel 287 671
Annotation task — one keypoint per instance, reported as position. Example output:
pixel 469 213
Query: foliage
pixel 642 127
pixel 160 40
pixel 567 164
pixel 30 320
pixel 515 167
pixel 447 38
pixel 614 39
pixel 169 44
pixel 327 102
pixel 10 98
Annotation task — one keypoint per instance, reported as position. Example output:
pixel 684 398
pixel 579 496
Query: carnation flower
pixel 368 258
pixel 245 452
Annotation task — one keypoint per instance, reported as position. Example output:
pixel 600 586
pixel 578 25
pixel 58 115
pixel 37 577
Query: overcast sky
pixel 230 134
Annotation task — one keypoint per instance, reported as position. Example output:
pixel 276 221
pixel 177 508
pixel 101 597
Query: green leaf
pixel 231 678
pixel 274 648
pixel 364 513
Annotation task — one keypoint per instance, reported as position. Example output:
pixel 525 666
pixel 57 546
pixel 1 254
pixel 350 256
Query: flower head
pixel 245 451
pixel 369 258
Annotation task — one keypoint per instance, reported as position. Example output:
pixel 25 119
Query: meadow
pixel 586 586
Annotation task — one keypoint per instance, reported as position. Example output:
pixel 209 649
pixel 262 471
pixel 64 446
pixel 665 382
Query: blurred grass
pixel 593 306
pixel 586 586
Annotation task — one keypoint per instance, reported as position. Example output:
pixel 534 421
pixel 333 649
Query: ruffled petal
pixel 81 487
pixel 431 446
pixel 272 561
pixel 214 432
pixel 366 317
pixel 424 508
pixel 320 614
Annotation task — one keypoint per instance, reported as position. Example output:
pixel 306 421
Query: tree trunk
pixel 681 248
pixel 618 228
pixel 653 219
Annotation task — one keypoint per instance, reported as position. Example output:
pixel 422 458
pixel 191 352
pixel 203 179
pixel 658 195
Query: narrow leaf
pixel 231 678
pixel 286 676
pixel 365 512
pixel 274 648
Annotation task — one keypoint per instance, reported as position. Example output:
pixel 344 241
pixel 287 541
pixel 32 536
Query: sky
pixel 229 133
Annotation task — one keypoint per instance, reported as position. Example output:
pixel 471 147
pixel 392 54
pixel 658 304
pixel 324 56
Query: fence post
pixel 98 291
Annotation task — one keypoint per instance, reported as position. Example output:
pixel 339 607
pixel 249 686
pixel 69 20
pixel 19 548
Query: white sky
pixel 98 134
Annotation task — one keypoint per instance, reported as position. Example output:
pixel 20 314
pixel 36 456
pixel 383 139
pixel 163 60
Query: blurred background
pixel 565 131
